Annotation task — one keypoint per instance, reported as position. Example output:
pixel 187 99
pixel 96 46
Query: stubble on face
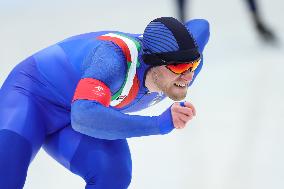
pixel 166 81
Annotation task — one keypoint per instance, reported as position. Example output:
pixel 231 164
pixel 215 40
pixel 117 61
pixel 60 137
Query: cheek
pixel 166 83
pixel 166 78
pixel 170 77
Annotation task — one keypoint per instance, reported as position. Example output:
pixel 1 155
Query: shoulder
pixel 198 24
pixel 200 29
pixel 106 63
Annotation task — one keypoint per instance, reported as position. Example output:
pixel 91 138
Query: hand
pixel 182 114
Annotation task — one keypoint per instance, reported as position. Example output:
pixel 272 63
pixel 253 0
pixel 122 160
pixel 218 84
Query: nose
pixel 187 76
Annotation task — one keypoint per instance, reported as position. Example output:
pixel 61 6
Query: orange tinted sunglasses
pixel 181 68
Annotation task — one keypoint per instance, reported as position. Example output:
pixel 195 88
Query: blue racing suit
pixel 88 138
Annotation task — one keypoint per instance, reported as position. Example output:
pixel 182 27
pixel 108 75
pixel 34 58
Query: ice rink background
pixel 235 142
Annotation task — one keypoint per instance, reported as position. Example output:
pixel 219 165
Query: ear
pixel 155 76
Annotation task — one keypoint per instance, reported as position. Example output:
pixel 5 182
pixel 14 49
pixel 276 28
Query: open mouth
pixel 181 85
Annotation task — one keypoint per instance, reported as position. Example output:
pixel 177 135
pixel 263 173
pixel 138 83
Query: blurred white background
pixel 236 139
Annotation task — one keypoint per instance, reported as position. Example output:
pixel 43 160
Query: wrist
pixel 165 122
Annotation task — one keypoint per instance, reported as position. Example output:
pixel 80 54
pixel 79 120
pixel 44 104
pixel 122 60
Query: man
pixel 71 98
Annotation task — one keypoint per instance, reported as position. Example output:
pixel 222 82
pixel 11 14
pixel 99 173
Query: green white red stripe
pixel 130 49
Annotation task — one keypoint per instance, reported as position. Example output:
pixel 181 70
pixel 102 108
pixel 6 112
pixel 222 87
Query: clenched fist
pixel 182 113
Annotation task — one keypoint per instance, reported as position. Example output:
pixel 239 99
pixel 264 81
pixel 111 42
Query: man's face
pixel 173 85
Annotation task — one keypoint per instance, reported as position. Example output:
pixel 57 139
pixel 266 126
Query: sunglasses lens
pixel 180 68
pixel 195 64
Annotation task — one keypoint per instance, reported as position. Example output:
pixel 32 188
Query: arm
pixel 95 118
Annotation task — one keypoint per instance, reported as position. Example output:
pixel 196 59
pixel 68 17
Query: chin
pixel 176 94
pixel 177 97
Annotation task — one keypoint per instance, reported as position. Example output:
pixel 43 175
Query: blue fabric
pixel 182 103
pixel 53 63
pixel 94 119
pixel 62 145
pixel 165 122
pixel 158 38
pixel 36 105
pixel 19 109
pixel 29 111
pixel 15 155
pixel 143 99
pixel 199 29
pixel 30 105
pixel 107 64
pixel 103 164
